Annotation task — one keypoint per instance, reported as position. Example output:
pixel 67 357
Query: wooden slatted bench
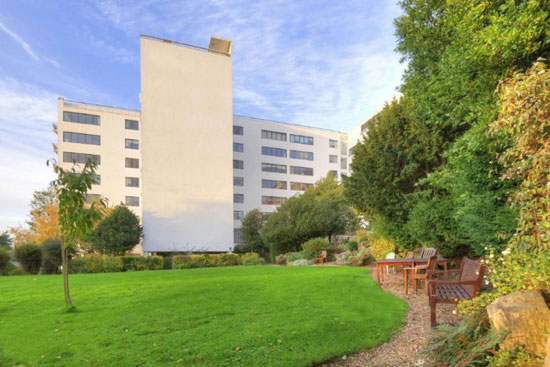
pixel 470 276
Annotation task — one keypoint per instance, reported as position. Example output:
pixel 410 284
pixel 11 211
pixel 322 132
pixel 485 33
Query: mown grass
pixel 237 316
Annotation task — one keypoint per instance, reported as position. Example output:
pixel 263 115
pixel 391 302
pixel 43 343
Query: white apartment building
pixel 184 163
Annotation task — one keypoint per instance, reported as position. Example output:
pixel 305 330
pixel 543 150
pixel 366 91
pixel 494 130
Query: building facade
pixel 185 164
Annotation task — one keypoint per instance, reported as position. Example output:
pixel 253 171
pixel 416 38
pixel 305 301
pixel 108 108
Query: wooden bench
pixel 470 276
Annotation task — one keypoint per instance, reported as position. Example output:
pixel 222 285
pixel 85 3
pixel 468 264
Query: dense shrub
pixel 228 259
pixel 51 256
pixel 280 259
pixel 380 247
pixel 167 262
pixel 30 257
pixel 16 271
pixel 96 264
pixel 137 263
pixel 293 256
pixel 181 261
pixel 314 247
pixel 4 261
pixel 118 233
pixel 249 255
pixel 361 256
pixel 351 245
pixel 254 261
pixel 190 261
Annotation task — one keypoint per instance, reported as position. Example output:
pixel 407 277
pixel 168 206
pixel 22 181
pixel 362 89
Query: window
pixel 237 236
pixel 238 214
pixel 301 139
pixel 272 200
pixel 299 186
pixel 237 130
pixel 92 197
pixel 132 201
pixel 301 155
pixel 343 163
pixel 132 144
pixel 270 167
pixel 334 173
pixel 132 163
pixel 343 148
pixel 132 181
pixel 238 198
pixel 333 158
pixel 81 138
pixel 273 135
pixel 80 157
pixel 131 124
pixel 81 118
pixel 238 181
pixel 333 143
pixel 305 171
pixel 97 179
pixel 277 152
pixel 273 184
pixel 238 147
pixel 237 164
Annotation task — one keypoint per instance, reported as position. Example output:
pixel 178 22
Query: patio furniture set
pixel 421 264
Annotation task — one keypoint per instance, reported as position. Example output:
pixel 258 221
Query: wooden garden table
pixel 403 263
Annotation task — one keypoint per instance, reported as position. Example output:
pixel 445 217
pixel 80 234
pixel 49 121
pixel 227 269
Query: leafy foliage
pixel 251 228
pixel 51 258
pixel 321 211
pixel 117 233
pixel 313 247
pixel 30 257
pixel 4 261
pixel 5 240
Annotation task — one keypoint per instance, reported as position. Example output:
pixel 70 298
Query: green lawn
pixel 237 316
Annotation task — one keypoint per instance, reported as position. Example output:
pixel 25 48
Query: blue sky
pixel 323 63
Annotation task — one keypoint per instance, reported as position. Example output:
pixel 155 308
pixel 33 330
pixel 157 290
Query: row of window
pixel 277 168
pixel 81 138
pixel 72 157
pixel 84 118
pixel 274 184
pixel 275 135
pixel 129 200
pixel 278 152
pixel 266 200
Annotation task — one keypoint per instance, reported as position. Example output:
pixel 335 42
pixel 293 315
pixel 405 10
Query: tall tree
pixel 250 230
pixel 76 217
pixel 5 240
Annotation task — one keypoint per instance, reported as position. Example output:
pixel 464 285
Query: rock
pixel 525 317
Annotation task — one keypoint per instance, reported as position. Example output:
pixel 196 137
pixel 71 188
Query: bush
pixel 191 261
pixel 118 233
pixel 380 247
pixel 254 261
pixel 351 245
pixel 293 256
pixel 280 259
pixel 229 259
pixel 30 257
pixel 167 262
pixel 138 263
pixel 249 255
pixel 314 247
pixel 51 256
pixel 96 264
pixel 16 271
pixel 4 261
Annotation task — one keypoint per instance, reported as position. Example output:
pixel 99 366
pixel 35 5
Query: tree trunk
pixel 65 263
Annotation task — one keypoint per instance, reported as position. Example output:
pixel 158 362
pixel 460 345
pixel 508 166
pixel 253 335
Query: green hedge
pixel 254 261
pixel 204 260
pixel 110 264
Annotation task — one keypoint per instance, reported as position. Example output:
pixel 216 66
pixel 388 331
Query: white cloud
pixel 326 64
pixel 25 46
pixel 25 144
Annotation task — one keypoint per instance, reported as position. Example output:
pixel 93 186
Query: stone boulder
pixel 525 317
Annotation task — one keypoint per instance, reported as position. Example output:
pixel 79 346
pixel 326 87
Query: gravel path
pixel 402 348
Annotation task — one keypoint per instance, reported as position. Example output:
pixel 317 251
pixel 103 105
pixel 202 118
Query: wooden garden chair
pixel 423 273
pixel 470 276
pixel 321 258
